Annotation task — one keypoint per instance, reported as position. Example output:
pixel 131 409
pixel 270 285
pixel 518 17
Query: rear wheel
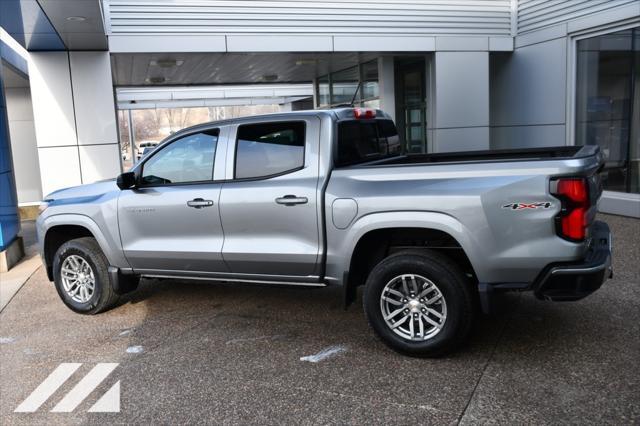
pixel 81 277
pixel 419 303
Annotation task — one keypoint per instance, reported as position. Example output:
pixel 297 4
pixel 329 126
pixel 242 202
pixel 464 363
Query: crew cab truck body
pixel 327 198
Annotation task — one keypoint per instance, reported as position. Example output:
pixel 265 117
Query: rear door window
pixel 269 149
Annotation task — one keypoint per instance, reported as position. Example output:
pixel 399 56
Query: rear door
pixel 171 222
pixel 269 203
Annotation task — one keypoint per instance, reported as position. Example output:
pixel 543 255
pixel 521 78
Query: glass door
pixel 608 104
pixel 412 106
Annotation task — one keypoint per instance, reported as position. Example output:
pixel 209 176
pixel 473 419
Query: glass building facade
pixel 608 104
pixel 359 84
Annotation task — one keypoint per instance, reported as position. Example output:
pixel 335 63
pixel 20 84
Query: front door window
pixel 189 159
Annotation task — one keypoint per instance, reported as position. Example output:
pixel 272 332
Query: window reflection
pixel 341 87
pixel 189 159
pixel 370 80
pixel 344 85
pixel 608 104
pixel 323 90
pixel 151 126
pixel 268 149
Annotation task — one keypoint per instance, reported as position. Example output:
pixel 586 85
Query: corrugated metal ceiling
pixel 228 68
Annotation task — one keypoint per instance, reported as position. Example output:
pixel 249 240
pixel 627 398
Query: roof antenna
pixel 353 100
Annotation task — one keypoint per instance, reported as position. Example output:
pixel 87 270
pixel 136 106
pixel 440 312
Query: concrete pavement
pixel 12 280
pixel 201 353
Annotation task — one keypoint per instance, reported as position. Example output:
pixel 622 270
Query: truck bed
pixel 529 154
pixel 473 191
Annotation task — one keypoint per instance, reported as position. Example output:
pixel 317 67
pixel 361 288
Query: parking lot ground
pixel 196 353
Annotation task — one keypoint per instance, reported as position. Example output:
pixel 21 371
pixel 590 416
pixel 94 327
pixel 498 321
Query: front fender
pixel 110 247
pixel 342 243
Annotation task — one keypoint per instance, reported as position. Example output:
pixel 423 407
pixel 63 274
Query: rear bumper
pixel 574 281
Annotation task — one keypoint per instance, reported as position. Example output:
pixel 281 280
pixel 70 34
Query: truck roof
pixel 340 113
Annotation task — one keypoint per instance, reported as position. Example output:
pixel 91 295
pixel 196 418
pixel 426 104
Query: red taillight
pixel 574 224
pixel 574 189
pixel 364 113
pixel 574 194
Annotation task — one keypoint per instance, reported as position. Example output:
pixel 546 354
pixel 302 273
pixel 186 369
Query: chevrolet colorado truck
pixel 329 198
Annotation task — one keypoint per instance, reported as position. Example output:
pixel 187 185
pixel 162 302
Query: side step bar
pixel 235 280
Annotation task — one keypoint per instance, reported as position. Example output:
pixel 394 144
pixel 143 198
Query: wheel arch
pixel 59 229
pixel 376 236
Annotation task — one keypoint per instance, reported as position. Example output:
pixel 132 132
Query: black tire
pixel 103 297
pixel 449 280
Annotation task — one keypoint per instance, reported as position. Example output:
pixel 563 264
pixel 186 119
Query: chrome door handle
pixel 291 200
pixel 199 203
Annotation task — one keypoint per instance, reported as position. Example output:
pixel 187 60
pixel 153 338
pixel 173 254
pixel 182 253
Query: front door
pixel 171 222
pixel 269 204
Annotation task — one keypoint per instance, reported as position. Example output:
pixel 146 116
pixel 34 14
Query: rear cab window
pixel 361 141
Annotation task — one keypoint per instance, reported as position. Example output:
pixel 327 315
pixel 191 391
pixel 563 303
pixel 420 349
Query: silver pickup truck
pixel 328 198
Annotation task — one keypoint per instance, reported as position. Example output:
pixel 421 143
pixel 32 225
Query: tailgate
pixel 595 192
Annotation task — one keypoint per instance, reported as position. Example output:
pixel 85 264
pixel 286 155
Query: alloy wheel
pixel 413 307
pixel 78 279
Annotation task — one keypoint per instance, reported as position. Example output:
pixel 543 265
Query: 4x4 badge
pixel 524 206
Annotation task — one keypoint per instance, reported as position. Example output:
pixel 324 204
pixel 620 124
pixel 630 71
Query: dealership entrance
pixel 608 104
pixel 411 103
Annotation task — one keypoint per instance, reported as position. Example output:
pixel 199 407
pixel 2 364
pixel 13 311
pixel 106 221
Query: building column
pixel 75 118
pixel 9 222
pixel 461 101
pixel 314 99
pixel 386 82
pixel 23 145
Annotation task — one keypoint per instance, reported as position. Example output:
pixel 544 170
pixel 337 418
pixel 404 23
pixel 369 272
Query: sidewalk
pixel 12 281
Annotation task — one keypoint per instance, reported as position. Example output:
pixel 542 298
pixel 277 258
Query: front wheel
pixel 81 277
pixel 419 303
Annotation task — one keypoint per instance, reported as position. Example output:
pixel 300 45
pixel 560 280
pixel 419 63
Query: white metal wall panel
pixel 335 17
pixel 536 14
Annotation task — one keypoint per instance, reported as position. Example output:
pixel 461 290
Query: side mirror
pixel 126 180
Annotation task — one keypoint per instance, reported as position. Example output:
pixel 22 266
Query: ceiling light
pixel 156 80
pixel 76 18
pixel 166 63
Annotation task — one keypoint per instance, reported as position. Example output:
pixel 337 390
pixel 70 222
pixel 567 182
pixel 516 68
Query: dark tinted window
pixel 188 159
pixel 269 149
pixel 361 141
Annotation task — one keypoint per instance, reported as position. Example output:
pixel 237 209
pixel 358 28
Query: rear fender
pixel 341 249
